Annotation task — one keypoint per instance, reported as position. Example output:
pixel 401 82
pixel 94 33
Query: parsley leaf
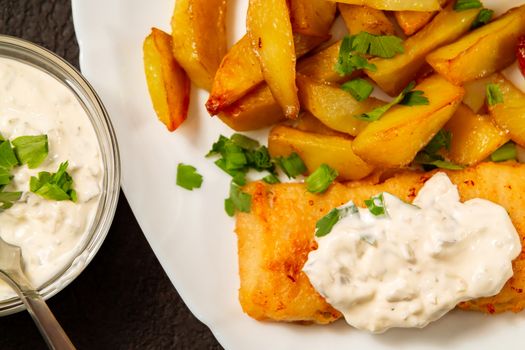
pixel 384 46
pixel 321 179
pixel 415 98
pixel 376 113
pixel 441 140
pixel 484 16
pixel 7 199
pixel 432 161
pixel 5 177
pixel 31 150
pixel 376 205
pixel 360 89
pixel 348 61
pixel 188 177
pixel 506 152
pixel 57 186
pixel 494 95
pixel 238 201
pixel 292 165
pixel 462 5
pixel 326 223
pixel 7 156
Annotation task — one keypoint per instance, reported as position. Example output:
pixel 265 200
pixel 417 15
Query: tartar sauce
pixel 50 233
pixel 418 261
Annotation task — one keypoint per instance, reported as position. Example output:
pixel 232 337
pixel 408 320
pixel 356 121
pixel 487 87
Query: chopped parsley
pixel 494 95
pixel 406 97
pixel 462 5
pixel 8 158
pixel 31 150
pixel 292 165
pixel 506 152
pixel 188 177
pixel 238 201
pixel 360 89
pixel 7 199
pixel 54 186
pixel 326 223
pixel 484 16
pixel 441 140
pixel 321 179
pixel 429 156
pixel 354 47
pixel 376 205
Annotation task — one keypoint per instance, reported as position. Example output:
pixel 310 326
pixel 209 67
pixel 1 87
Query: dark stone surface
pixel 123 300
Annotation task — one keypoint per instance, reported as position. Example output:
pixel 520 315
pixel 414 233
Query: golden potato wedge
pixel 168 84
pixel 510 115
pixel 395 139
pixel 475 93
pixel 308 123
pixel 397 5
pixel 321 65
pixel 316 149
pixel 393 74
pixel 270 31
pixel 312 17
pixel 240 71
pixel 199 38
pixel 412 21
pixel 365 19
pixel 481 52
pixel 256 110
pixel 333 106
pixel 474 137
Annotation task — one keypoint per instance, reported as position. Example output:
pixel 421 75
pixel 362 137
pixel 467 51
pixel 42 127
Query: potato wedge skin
pixel 365 19
pixel 394 74
pixel 396 5
pixel 475 94
pixel 474 136
pixel 270 31
pixel 316 149
pixel 312 17
pixel 481 52
pixel 256 110
pixel 412 21
pixel 332 106
pixel 395 139
pixel 168 84
pixel 308 123
pixel 199 38
pixel 510 115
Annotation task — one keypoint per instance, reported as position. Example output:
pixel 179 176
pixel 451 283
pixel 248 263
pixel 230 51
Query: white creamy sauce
pixel 50 233
pixel 411 266
pixel 514 75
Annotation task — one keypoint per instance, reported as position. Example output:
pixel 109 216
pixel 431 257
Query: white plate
pixel 189 231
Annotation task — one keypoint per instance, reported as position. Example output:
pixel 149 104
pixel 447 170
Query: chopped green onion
pixel 321 179
pixel 7 199
pixel 31 150
pixel 376 205
pixel 484 17
pixel 238 201
pixel 441 140
pixel 188 177
pixel 325 225
pixel 292 165
pixel 506 152
pixel 494 95
pixel 271 179
pixel 244 141
pixel 462 5
pixel 360 89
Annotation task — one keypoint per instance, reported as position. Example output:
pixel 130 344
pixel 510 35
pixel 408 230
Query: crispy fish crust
pixel 274 239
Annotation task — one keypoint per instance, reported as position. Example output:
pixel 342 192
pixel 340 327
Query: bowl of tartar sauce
pixel 58 219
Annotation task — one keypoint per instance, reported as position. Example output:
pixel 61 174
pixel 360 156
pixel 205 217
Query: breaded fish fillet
pixel 275 238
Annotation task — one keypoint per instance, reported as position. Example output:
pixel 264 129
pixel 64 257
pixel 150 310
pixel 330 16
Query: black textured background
pixel 123 300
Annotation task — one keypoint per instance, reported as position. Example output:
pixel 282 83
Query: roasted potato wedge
pixel 412 21
pixel 510 115
pixel 308 123
pixel 475 94
pixel 270 31
pixel 365 19
pixel 481 52
pixel 333 106
pixel 168 84
pixel 316 149
pixel 474 136
pixel 312 17
pixel 256 110
pixel 397 5
pixel 199 38
pixel 394 74
pixel 321 65
pixel 407 129
pixel 240 71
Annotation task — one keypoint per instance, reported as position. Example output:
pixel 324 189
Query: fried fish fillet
pixel 274 239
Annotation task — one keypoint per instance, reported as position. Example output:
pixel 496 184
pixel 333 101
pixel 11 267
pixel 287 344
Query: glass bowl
pixel 46 61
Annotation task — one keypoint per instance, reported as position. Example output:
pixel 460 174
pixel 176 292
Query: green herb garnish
pixel 494 95
pixel 8 158
pixel 484 16
pixel 54 186
pixel 432 161
pixel 321 179
pixel 31 150
pixel 188 177
pixel 441 140
pixel 5 177
pixel 376 205
pixel 415 98
pixel 462 5
pixel 7 199
pixel 506 152
pixel 326 223
pixel 271 179
pixel 360 89
pixel 292 165
pixel 238 201
pixel 244 141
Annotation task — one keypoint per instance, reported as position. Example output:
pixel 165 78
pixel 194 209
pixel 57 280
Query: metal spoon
pixel 11 272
